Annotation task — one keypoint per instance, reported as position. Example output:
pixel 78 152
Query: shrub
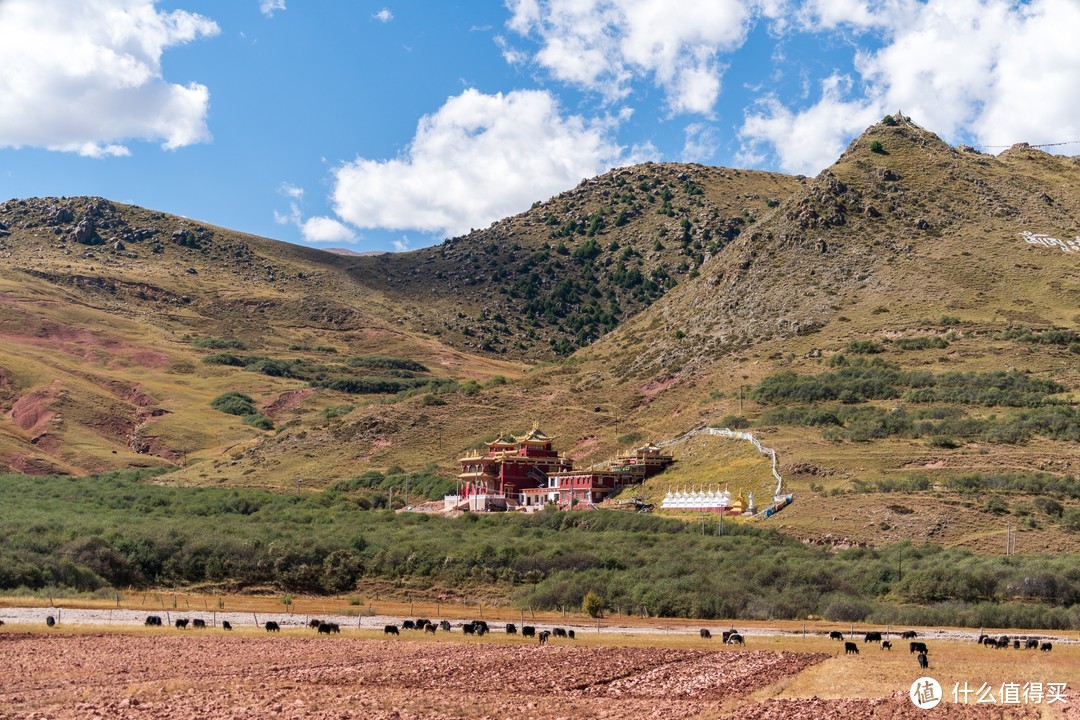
pixel 234 403
pixel 877 147
pixel 924 342
pixel 593 605
pixel 1071 520
pixel 260 421
pixel 864 347
pixel 1049 506
pixel 225 359
pixel 381 362
pixel 278 368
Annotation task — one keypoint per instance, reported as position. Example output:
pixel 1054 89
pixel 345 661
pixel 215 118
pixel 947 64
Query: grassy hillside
pixel 558 277
pixel 884 325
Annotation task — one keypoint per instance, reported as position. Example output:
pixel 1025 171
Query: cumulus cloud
pixel 326 229
pixel 269 7
pixel 810 140
pixel 384 15
pixel 313 229
pixel 84 77
pixel 602 45
pixel 988 71
pixel 477 159
pixel 401 245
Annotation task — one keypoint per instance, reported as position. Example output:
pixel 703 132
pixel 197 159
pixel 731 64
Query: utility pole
pixel 900 561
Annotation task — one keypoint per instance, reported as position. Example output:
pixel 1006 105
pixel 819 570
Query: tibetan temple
pixel 526 473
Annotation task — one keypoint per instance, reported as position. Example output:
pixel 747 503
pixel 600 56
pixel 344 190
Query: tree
pixel 593 605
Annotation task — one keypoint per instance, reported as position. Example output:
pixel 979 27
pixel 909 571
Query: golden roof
pixel 503 439
pixel 535 434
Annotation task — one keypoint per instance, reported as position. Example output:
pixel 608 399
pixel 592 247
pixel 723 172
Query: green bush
pixel 1049 506
pixel 279 368
pixel 121 530
pixel 924 342
pixel 260 421
pixel 225 359
pixel 1070 520
pixel 877 147
pixel 864 347
pixel 592 605
pixel 234 403
pixel 381 362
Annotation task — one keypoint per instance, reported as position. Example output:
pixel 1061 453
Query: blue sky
pixel 392 125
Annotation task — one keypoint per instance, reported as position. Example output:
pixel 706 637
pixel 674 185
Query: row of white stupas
pixel 699 500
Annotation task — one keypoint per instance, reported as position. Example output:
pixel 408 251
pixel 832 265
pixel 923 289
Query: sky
pixel 391 125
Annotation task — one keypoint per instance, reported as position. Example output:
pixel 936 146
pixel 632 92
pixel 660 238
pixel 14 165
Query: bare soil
pixel 152 673
pixel 211 675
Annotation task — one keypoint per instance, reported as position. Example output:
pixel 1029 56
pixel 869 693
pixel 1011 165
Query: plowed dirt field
pixel 211 675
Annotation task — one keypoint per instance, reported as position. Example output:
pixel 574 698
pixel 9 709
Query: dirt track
pixel 213 676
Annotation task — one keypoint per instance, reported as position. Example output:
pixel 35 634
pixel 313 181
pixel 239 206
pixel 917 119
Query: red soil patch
pixel 31 412
pixel 130 393
pixel 148 358
pixel 584 447
pixel 30 465
pixel 154 445
pixel 286 401
pixel 207 674
pixel 654 388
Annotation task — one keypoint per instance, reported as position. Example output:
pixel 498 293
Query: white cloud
pixel 81 77
pixel 384 15
pixel 510 54
pixel 269 7
pixel 602 45
pixel 991 71
pixel 326 229
pixel 701 144
pixel 291 191
pixel 401 245
pixel 808 141
pixel 313 229
pixel 479 158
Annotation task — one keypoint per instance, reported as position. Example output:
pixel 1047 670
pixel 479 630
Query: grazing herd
pixel 920 650
pixel 479 628
pixel 1004 641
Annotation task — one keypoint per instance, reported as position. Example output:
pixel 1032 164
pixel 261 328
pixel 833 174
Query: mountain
pixel 559 276
pixel 903 322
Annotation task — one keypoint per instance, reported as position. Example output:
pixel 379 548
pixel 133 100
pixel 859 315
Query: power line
pixel 1042 145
